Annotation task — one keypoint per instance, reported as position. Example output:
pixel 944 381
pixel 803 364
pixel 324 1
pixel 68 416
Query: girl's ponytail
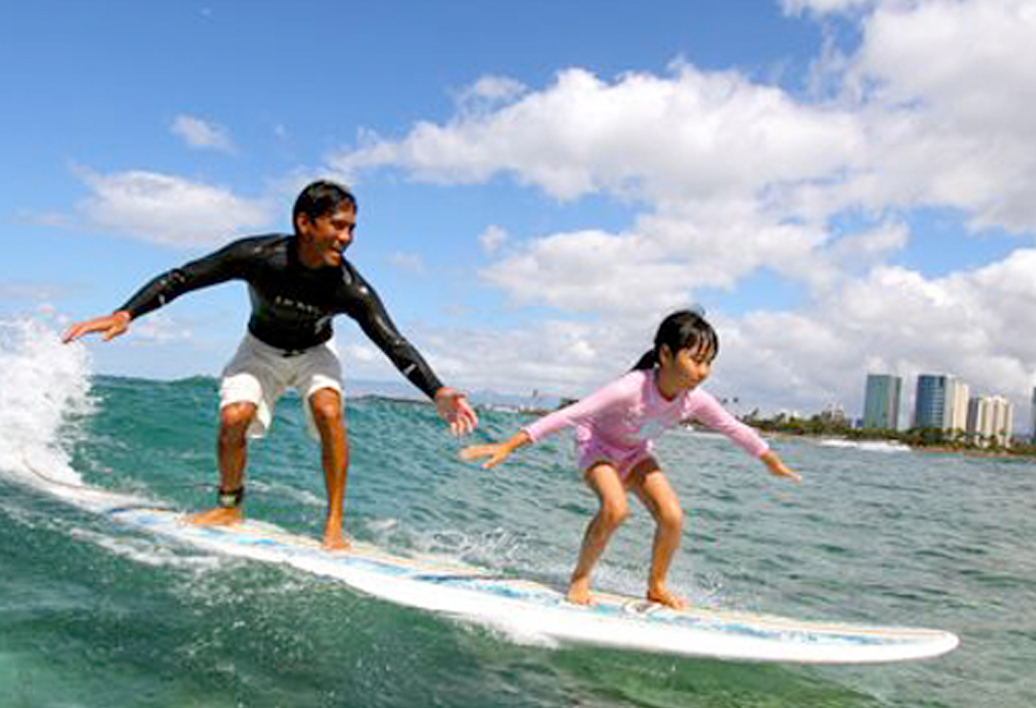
pixel 648 361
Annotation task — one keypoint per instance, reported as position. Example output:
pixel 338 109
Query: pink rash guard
pixel 617 423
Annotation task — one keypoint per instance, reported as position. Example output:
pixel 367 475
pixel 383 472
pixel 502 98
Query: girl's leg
pixel 604 479
pixel 653 489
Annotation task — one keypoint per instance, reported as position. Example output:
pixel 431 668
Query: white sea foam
pixel 516 632
pixel 147 551
pixel 279 489
pixel 45 391
pixel 866 445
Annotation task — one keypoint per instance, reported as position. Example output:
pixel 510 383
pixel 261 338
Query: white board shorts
pixel 260 374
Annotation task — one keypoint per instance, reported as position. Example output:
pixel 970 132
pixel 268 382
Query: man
pixel 297 285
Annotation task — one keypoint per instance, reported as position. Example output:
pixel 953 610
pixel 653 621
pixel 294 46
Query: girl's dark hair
pixel 320 198
pixel 684 329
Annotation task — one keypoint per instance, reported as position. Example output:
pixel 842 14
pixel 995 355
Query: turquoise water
pixel 93 615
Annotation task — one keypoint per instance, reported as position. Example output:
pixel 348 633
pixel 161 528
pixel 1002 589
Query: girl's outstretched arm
pixel 777 467
pixel 496 452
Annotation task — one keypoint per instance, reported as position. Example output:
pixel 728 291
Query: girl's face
pixel 689 367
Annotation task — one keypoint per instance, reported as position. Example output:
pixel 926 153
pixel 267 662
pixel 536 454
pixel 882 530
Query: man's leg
pixel 326 405
pixel 232 451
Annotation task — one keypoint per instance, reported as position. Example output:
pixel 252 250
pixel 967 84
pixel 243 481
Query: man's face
pixel 322 240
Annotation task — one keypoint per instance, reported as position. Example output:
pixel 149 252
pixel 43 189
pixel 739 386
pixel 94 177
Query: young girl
pixel 613 430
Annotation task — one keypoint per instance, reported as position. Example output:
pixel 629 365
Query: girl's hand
pixel 778 468
pixel 496 452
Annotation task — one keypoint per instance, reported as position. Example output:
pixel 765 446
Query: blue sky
pixel 845 185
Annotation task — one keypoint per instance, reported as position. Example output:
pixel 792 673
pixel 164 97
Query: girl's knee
pixel 614 513
pixel 670 516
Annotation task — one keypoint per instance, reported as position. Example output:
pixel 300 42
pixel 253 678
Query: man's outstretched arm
pixel 223 265
pixel 452 405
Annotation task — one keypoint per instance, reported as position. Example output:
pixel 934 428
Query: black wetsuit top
pixel 292 304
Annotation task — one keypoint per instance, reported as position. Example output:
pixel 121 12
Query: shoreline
pixel 923 449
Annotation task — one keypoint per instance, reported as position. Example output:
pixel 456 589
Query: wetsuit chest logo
pixel 298 306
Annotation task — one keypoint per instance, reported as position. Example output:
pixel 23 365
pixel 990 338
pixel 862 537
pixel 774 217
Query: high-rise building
pixel 881 402
pixel 942 403
pixel 955 417
pixel 1033 415
pixel 930 403
pixel 990 419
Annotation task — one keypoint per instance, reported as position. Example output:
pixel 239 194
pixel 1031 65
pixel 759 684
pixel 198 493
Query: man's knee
pixel 326 405
pixel 235 418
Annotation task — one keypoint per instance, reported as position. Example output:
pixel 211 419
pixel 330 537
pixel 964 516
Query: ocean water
pixel 94 615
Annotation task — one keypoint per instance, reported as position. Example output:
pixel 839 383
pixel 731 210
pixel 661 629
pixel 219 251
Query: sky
pixel 845 186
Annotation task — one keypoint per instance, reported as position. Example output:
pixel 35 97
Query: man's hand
pixel 454 408
pixel 110 326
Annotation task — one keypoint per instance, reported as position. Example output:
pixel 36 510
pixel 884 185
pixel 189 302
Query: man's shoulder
pixel 260 241
pixel 351 277
pixel 254 248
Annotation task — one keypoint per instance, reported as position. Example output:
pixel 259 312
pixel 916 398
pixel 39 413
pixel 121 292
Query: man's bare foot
pixel 663 596
pixel 219 516
pixel 579 593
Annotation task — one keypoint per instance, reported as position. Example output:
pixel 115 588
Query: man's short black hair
pixel 321 198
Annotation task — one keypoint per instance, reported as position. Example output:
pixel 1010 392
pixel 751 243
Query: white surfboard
pixel 535 610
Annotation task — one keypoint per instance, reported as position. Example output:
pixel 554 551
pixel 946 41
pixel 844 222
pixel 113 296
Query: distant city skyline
pixel 943 402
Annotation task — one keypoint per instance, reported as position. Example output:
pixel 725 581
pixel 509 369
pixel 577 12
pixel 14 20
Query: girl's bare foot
pixel 664 596
pixel 335 541
pixel 579 593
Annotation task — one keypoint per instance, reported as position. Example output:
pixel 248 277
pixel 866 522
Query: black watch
pixel 231 499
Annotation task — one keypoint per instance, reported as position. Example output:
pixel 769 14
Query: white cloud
pixel 701 150
pixel 589 271
pixel 410 262
pixel 690 135
pixel 32 291
pixel 661 262
pixel 362 354
pixel 158 328
pixel 488 92
pixel 166 209
pixel 824 7
pixel 492 239
pixel 202 134
pixel 948 88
